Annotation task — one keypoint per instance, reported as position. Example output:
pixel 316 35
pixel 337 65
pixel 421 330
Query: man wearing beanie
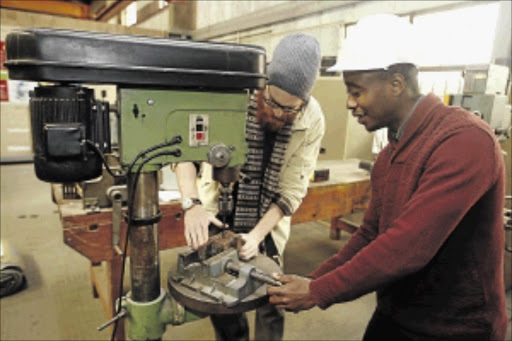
pixel 285 126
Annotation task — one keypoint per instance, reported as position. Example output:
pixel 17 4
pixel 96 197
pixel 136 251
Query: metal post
pixel 144 258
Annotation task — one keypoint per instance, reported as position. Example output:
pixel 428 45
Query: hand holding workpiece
pixel 293 295
pixel 197 220
pixel 250 247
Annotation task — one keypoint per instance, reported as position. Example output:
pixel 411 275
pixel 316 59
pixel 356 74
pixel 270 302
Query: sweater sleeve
pixel 294 180
pixel 364 235
pixel 457 174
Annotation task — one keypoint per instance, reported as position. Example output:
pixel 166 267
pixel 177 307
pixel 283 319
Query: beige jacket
pixel 299 163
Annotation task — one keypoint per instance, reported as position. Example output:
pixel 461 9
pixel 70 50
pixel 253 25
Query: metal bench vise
pixel 221 283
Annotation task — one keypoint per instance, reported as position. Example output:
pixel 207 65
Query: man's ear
pixel 397 83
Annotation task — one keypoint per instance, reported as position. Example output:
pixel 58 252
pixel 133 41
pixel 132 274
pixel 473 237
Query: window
pixel 441 83
pixel 131 14
pixel 457 37
pixel 349 27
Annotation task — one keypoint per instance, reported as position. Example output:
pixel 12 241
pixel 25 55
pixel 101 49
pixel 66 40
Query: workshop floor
pixel 58 304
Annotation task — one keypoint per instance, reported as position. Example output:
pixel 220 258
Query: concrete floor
pixel 58 304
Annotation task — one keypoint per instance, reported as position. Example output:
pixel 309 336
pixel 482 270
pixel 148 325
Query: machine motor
pixel 68 128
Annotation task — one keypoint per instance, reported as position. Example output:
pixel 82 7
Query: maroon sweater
pixel 432 240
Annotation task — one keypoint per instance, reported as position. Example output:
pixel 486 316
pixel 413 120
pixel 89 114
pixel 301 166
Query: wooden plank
pixel 332 201
pixel 113 10
pixel 18 19
pixel 91 234
pixel 105 277
pixel 54 7
pixel 347 190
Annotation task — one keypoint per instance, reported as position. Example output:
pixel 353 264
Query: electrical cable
pixel 107 167
pixel 176 153
pixel 173 141
pixel 143 154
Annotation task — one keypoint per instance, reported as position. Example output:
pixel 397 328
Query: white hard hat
pixel 376 42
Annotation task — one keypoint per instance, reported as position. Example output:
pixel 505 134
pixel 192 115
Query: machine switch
pixel 198 130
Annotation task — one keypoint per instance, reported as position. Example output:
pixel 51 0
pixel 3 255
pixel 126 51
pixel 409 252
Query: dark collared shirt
pixel 401 129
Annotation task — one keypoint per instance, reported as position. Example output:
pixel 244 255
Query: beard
pixel 267 117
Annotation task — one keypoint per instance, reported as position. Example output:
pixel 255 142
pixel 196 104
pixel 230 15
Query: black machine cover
pixel 55 55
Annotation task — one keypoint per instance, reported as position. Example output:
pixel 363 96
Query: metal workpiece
pixel 216 244
pixel 144 257
pixel 366 165
pixel 222 284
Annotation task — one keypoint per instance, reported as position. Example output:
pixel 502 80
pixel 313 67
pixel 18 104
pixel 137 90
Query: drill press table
pixel 346 191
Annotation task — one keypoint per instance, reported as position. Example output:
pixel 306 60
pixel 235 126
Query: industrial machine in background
pixel 485 94
pixel 176 101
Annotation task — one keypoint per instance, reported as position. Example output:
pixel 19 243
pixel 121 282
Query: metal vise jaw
pixel 212 278
pixel 222 283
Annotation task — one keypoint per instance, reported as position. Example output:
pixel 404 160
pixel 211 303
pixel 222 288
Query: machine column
pixel 144 258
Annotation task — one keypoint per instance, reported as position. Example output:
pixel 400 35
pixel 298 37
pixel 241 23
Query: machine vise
pixel 213 279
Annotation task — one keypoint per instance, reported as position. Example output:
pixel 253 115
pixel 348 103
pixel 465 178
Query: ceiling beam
pixel 54 7
pixel 112 10
pixel 268 16
pixel 12 19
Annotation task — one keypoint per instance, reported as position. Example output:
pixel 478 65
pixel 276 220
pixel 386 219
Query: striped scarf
pixel 257 192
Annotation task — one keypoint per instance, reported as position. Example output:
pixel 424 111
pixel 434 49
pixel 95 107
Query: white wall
pixel 159 21
pixel 324 26
pixel 213 12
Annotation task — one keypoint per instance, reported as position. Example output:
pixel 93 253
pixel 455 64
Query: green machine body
pixel 206 122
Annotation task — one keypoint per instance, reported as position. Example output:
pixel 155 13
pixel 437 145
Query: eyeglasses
pixel 274 105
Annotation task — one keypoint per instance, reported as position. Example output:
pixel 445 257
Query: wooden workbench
pixel 346 191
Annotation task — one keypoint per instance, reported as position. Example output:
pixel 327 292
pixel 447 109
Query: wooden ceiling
pixel 99 10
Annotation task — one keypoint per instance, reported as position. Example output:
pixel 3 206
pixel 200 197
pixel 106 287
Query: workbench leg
pixel 95 293
pixel 335 231
pixel 113 279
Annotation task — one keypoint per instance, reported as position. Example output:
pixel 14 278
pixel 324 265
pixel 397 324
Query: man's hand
pixel 250 247
pixel 197 220
pixel 293 295
pixel 258 233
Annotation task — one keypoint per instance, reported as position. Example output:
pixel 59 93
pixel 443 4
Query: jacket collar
pixel 303 119
pixel 418 117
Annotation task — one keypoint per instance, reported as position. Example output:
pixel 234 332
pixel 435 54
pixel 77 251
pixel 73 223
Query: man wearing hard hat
pixel 432 240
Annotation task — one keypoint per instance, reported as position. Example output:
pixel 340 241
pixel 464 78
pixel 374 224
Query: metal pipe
pixel 144 258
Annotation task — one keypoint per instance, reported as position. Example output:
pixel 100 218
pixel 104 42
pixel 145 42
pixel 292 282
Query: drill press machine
pixel 177 101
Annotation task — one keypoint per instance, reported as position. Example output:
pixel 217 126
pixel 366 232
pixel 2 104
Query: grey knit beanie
pixel 295 64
